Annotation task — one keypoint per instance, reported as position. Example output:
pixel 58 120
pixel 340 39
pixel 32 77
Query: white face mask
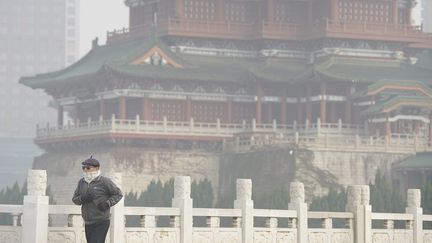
pixel 89 176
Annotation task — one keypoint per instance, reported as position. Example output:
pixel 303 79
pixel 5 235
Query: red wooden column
pixel 299 112
pixel 102 109
pixel 271 7
pixel 179 8
pixel 60 116
pixel 371 126
pixel 408 16
pixel 283 108
pixel 300 107
pixel 430 129
pixel 77 113
pixel 269 112
pixel 188 109
pixel 309 14
pixel 146 113
pixel 122 107
pixel 220 10
pixel 228 111
pixel 258 104
pixel 323 108
pixel 335 9
pixel 395 11
pixel 348 109
pixel 308 103
pixel 388 125
pixel 333 112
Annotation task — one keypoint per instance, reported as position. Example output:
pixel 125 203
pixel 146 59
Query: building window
pixel 71 10
pixel 71 33
pixel 71 21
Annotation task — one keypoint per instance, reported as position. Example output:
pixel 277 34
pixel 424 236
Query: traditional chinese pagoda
pixel 191 74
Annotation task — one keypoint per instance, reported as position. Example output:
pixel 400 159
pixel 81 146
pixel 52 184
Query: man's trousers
pixel 96 233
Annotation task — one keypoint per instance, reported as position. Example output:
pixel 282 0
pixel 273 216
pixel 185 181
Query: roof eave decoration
pixel 395 85
pixel 397 102
pixel 426 104
pixel 383 85
pixel 157 57
pixel 134 3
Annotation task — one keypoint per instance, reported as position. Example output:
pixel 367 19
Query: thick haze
pixel 98 16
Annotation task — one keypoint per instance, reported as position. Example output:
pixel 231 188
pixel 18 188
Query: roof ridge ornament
pixel 156 57
pixel 95 43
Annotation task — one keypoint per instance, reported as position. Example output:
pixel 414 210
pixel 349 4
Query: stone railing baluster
pixel 212 222
pixel 271 222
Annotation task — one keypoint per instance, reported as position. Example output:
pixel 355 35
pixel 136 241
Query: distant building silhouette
pixel 35 37
pixel 427 15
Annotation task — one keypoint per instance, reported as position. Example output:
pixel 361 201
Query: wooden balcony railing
pixel 128 34
pixel 284 31
pixel 277 30
pixel 367 30
pixel 199 28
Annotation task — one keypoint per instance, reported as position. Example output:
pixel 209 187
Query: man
pixel 96 194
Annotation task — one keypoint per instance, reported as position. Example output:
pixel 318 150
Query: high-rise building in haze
pixel 427 15
pixel 35 36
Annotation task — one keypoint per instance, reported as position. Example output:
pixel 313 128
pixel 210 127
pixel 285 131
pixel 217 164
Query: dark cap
pixel 91 162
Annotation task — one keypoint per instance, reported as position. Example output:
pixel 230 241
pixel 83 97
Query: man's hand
pixel 103 206
pixel 86 198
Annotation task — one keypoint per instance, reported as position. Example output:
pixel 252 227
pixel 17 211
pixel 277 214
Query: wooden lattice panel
pixel 173 110
pixel 199 9
pixel 243 111
pixel 367 11
pixel 208 111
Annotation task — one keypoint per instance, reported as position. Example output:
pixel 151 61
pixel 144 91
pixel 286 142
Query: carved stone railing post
pixel 148 221
pixel 244 202
pixel 413 207
pixel 297 203
pixel 182 200
pixel 137 123
pixel 165 124
pixel 35 213
pixel 358 204
pixel 75 220
pixel 117 229
pixel 191 124
pixel 271 222
pixel 213 222
pixel 15 218
pixel 174 222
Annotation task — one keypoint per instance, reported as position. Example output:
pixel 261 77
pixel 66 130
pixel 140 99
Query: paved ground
pixel 16 157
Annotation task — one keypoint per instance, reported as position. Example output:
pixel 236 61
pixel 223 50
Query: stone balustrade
pixel 240 224
pixel 323 136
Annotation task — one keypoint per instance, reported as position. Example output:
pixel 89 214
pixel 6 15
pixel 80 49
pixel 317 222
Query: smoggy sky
pixel 98 16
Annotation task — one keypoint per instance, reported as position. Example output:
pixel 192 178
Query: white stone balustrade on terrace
pixel 216 129
pixel 326 136
pixel 296 224
pixel 396 143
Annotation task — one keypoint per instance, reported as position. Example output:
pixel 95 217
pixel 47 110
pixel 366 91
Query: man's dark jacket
pixel 102 190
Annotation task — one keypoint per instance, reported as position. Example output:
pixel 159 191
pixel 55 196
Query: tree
pixel 426 197
pixel 15 196
pixel 334 201
pixel 202 194
pixel 160 195
pixel 384 198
